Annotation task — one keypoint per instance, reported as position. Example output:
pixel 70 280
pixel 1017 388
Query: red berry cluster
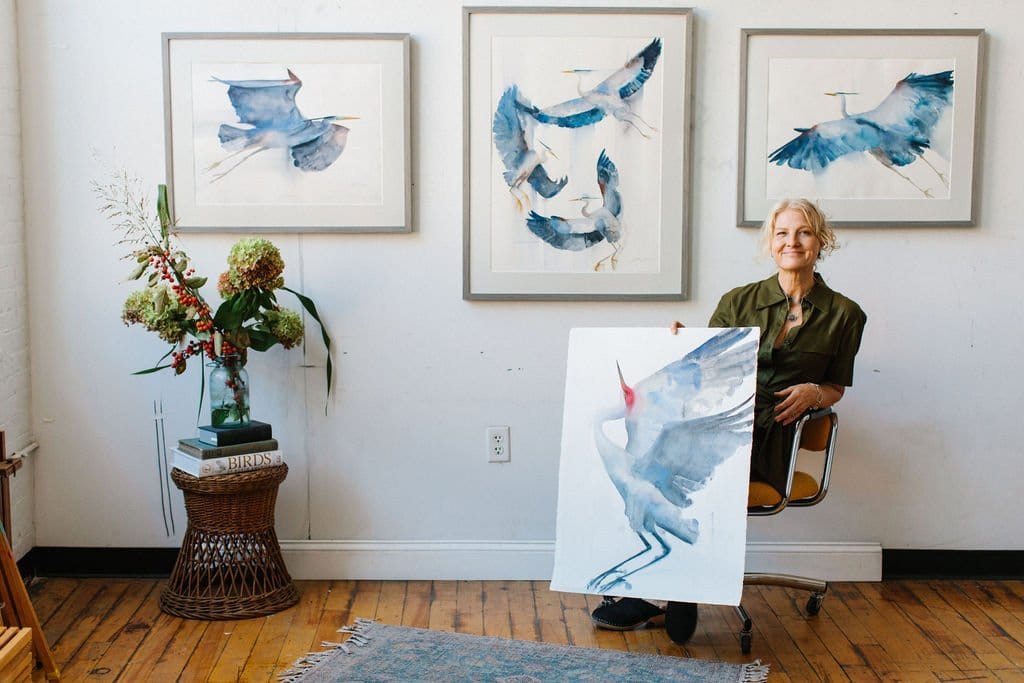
pixel 194 348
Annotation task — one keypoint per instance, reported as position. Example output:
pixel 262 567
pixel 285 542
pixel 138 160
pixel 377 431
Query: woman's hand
pixel 675 326
pixel 797 400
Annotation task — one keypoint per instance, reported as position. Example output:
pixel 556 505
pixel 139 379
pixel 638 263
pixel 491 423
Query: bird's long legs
pixel 942 178
pixel 220 175
pixel 612 258
pixel 925 191
pixel 595 583
pixel 522 198
pixel 621 578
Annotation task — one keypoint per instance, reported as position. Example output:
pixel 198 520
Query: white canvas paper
pixel 655 463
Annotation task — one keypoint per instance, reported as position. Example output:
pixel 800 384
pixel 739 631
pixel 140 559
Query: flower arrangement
pixel 172 306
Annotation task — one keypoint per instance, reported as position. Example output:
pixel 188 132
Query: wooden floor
pixel 113 630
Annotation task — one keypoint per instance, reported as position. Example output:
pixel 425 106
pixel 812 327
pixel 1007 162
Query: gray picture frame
pixel 864 65
pixel 275 187
pixel 487 240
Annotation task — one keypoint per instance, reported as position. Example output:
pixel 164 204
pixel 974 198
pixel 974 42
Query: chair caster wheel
pixel 814 603
pixel 745 643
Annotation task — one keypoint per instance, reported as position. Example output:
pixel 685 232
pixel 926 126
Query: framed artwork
pixel 577 156
pixel 288 132
pixel 655 463
pixel 879 126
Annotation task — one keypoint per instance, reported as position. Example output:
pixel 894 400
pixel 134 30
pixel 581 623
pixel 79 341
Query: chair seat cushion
pixel 761 494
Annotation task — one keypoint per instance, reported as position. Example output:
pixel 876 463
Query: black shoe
pixel 680 621
pixel 624 614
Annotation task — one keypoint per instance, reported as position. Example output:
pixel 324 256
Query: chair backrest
pixel 816 432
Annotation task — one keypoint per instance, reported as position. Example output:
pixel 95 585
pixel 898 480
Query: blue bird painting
pixel 595 226
pixel 610 97
pixel 523 164
pixel 675 440
pixel 896 133
pixel 272 120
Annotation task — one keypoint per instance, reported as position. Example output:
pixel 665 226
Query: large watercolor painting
pixel 288 131
pixel 577 120
pixel 876 125
pixel 655 463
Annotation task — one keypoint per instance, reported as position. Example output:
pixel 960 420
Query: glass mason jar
pixel 229 392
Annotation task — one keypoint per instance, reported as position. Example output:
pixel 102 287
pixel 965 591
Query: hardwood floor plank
pixel 523 611
pixel 48 595
pixel 417 604
pixel 549 614
pixel 444 596
pixel 578 626
pixel 307 617
pixel 469 607
pixel 787 656
pixel 496 618
pixel 141 643
pixel 170 663
pixel 266 650
pixel 391 603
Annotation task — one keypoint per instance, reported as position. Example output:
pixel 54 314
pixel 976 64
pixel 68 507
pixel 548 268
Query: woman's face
pixel 795 247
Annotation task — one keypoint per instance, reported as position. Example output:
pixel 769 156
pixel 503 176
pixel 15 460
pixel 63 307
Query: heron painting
pixel 271 120
pixel 896 133
pixel 653 478
pixel 597 225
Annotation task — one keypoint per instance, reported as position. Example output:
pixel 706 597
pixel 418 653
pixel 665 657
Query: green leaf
pixel 220 416
pixel 162 211
pixel 260 340
pixel 151 370
pixel 139 270
pixel 160 300
pixel 195 282
pixel 226 317
pixel 154 277
pixel 310 307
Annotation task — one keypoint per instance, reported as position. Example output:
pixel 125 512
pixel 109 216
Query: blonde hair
pixel 816 220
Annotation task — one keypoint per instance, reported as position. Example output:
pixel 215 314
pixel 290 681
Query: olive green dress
pixel 820 350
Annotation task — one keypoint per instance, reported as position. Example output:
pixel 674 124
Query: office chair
pixel 815 432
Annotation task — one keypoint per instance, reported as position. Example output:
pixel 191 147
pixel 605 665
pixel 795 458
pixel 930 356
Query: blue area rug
pixel 377 652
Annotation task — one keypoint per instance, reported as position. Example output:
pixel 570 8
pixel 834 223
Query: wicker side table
pixel 230 564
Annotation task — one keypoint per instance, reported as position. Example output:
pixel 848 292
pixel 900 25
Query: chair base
pixel 817 588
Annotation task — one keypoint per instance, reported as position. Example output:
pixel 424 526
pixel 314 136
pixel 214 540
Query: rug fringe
pixel 755 672
pixel 357 636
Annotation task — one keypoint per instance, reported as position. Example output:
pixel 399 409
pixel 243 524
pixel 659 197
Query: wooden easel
pixel 15 606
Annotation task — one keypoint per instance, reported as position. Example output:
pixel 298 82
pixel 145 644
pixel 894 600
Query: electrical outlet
pixel 498 446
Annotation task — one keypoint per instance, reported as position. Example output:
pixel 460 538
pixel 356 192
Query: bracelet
pixel 817 403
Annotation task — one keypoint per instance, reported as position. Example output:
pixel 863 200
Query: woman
pixel 810 335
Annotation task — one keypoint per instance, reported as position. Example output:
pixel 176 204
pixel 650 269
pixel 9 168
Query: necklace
pixel 791 317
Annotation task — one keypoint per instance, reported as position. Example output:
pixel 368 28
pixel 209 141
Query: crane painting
pixel 655 463
pixel 896 132
pixel 271 120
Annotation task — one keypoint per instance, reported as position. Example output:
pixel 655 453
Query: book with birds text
pixel 231 464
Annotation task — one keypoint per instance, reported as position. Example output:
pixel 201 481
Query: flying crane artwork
pixel 272 120
pixel 896 133
pixel 655 462
pixel 518 132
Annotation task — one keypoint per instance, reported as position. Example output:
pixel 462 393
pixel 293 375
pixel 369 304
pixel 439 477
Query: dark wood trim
pixel 158 562
pixel 131 562
pixel 952 564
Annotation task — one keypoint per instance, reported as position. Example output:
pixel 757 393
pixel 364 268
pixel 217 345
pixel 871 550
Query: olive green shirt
pixel 820 350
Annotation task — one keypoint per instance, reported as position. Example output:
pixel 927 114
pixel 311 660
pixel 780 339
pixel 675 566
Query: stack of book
pixel 224 450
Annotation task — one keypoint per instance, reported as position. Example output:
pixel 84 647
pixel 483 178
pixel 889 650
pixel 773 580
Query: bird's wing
pixel 818 146
pixel 915 104
pixel 265 103
pixel 686 452
pixel 571 235
pixel 509 138
pixel 320 152
pixel 574 113
pixel 632 76
pixel 543 184
pixel 701 380
pixel 608 181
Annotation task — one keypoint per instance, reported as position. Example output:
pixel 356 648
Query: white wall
pixel 14 342
pixel 928 456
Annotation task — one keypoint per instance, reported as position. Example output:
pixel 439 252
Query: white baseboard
pixel 533 560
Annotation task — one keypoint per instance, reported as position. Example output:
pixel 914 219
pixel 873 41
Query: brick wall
pixel 15 385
